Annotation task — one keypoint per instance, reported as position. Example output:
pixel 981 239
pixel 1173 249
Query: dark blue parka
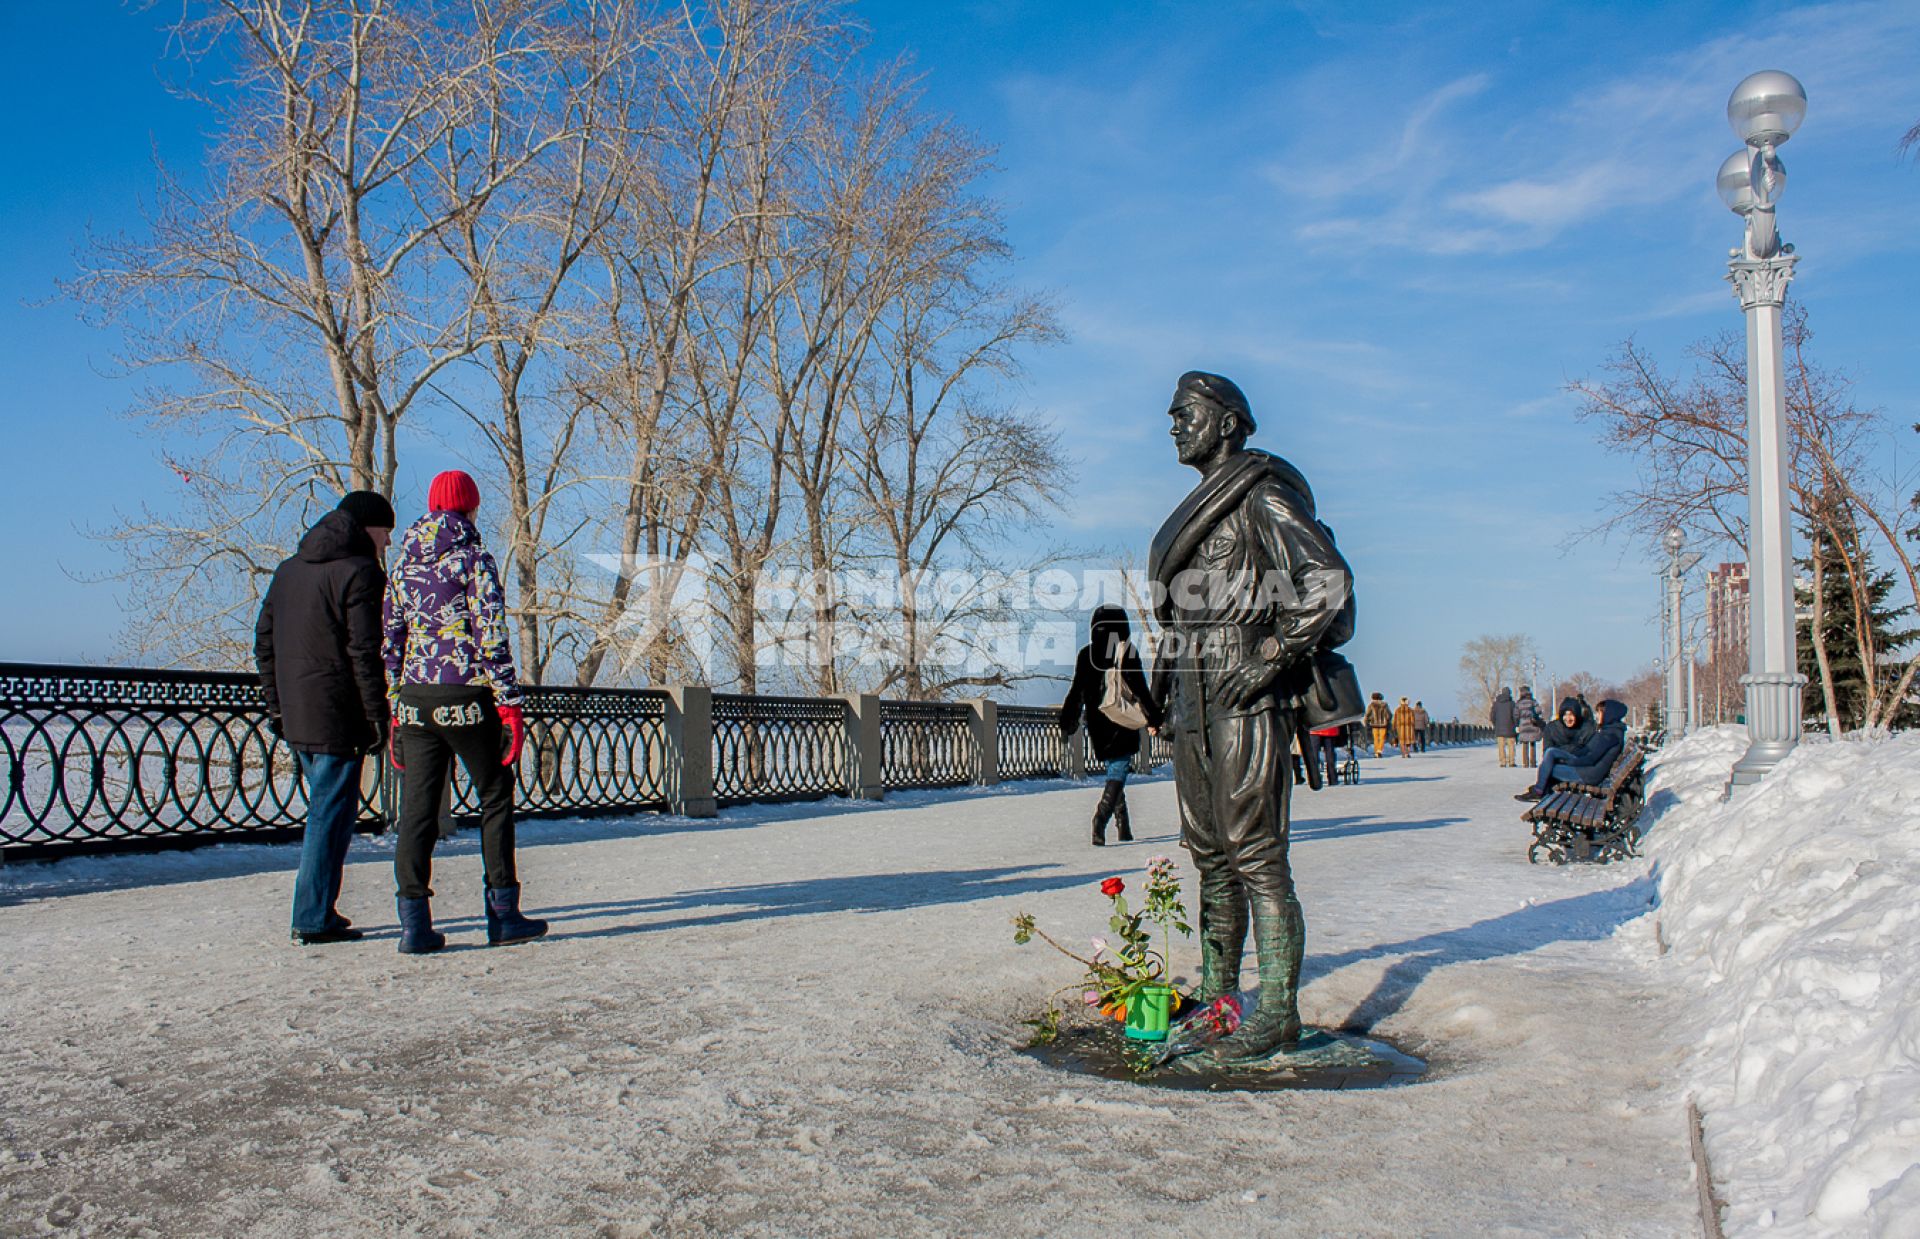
pixel 1593 761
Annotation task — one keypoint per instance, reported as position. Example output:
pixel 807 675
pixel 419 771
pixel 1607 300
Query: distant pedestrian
pixel 1106 675
pixel 317 647
pixel 1379 718
pixel 454 694
pixel 1403 728
pixel 1421 720
pixel 1502 718
pixel 1527 726
pixel 1325 742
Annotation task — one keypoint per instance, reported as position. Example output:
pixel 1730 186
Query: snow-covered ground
pixel 804 1021
pixel 1793 912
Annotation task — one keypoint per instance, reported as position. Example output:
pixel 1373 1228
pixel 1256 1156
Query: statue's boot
pixel 1104 810
pixel 1279 934
pixel 1223 937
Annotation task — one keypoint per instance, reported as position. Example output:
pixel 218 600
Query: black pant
pixel 438 722
pixel 1329 745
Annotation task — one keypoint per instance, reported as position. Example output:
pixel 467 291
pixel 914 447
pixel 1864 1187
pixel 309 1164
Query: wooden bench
pixel 1596 822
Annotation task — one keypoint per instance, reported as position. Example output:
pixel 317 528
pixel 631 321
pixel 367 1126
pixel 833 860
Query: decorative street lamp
pixel 1675 709
pixel 1764 110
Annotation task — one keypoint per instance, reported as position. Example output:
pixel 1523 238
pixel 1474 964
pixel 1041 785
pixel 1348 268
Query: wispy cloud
pixel 1445 181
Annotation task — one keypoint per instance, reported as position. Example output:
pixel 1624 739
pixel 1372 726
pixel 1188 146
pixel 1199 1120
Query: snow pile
pixel 1793 911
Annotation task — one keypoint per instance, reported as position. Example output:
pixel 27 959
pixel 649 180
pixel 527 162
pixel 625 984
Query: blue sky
pixel 1401 228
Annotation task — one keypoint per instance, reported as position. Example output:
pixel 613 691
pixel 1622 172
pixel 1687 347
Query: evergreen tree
pixel 1838 625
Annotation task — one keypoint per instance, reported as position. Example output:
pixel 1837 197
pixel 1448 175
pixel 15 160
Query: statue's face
pixel 1198 431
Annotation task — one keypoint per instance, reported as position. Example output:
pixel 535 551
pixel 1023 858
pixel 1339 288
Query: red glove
pixel 516 725
pixel 393 746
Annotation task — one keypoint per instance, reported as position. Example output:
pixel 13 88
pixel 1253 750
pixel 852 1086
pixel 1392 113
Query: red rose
pixel 1112 887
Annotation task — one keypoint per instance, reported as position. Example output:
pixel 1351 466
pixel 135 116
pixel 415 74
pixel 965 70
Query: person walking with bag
pixel 454 694
pixel 1110 688
pixel 317 648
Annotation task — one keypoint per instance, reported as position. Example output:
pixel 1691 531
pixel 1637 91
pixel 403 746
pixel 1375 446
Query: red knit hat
pixel 453 491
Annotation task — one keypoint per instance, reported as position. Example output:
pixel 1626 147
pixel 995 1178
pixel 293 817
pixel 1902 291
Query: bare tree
pixel 1689 438
pixel 1489 663
pixel 689 227
pixel 287 306
pixel 521 249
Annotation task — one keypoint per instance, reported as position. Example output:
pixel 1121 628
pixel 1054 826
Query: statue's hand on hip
pixel 1242 683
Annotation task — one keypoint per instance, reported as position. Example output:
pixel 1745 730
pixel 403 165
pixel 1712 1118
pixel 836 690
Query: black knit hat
pixel 369 507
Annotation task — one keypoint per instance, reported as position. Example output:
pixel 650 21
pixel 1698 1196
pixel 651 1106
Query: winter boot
pixel 1279 933
pixel 505 925
pixel 1120 818
pixel 417 934
pixel 1104 810
pixel 1223 937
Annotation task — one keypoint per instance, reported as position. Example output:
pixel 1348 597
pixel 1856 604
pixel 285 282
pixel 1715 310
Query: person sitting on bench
pixel 1586 763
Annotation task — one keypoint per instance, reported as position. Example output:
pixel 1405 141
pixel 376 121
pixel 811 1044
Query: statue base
pixel 1323 1058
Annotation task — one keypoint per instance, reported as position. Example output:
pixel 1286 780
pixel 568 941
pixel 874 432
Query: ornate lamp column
pixel 1764 111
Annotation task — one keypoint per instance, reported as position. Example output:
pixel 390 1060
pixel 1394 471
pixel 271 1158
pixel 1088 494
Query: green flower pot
pixel 1147 1013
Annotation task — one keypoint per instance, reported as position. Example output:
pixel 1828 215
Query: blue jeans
pixel 1553 765
pixel 1117 769
pixel 333 803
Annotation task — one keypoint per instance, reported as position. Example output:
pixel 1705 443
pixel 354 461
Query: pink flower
pixel 1099 947
pixel 1093 997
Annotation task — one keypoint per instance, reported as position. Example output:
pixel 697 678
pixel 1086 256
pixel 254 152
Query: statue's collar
pixel 1219 492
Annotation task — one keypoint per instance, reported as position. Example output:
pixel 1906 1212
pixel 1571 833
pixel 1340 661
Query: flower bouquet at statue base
pixel 1203 1024
pixel 1127 979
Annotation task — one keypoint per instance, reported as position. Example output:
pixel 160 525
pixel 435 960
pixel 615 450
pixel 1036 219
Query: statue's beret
pixel 1217 390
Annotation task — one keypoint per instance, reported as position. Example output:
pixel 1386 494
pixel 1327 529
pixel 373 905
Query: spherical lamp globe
pixel 1766 107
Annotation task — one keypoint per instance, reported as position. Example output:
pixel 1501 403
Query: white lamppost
pixel 1764 110
pixel 1675 572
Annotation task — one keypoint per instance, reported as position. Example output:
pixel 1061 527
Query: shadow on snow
pixel 1580 918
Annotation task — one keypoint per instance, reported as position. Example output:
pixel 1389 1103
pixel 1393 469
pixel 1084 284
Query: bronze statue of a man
pixel 1248 585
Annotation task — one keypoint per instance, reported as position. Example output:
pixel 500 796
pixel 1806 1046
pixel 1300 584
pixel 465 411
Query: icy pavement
pixel 804 1021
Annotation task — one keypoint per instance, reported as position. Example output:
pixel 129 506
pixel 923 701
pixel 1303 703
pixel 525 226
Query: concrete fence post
pixel 986 738
pixel 863 736
pixel 690 749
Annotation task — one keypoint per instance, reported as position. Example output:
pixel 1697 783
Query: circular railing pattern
pixel 779 748
pixel 927 744
pixel 105 755
pixel 101 755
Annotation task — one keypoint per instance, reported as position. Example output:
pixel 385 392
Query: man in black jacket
pixel 317 645
pixel 1589 762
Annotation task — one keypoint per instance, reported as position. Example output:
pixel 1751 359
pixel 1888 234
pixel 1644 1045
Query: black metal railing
pixel 95 754
pixel 779 748
pixel 106 758
pixel 1030 742
pixel 927 744
pixel 588 751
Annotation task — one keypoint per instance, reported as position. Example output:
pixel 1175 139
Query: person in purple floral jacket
pixel 454 694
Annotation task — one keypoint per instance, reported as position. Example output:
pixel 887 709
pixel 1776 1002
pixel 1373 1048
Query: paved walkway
pixel 802 1021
